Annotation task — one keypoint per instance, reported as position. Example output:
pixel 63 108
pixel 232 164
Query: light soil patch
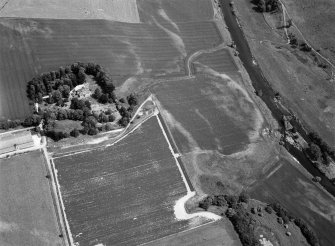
pixel 117 10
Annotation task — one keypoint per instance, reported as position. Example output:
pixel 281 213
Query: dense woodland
pixel 53 88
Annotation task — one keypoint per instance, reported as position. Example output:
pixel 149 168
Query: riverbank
pixel 260 83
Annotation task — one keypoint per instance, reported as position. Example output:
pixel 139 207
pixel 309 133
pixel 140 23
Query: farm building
pixel 15 140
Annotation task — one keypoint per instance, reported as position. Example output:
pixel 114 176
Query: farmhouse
pixel 15 140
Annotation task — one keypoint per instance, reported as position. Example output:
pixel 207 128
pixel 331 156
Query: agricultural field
pixel 284 183
pixel 32 46
pixel 220 61
pixel 123 194
pixel 175 11
pixel 27 212
pixel 208 113
pixel 213 234
pixel 216 127
pixel 116 10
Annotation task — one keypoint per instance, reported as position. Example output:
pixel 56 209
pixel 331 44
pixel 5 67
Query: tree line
pixel 319 150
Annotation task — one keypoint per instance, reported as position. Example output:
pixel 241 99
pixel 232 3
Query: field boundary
pixel 57 197
pixel 176 156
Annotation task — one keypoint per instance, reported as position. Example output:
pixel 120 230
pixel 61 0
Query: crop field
pixel 175 10
pixel 208 113
pixel 123 194
pixel 27 213
pixel 213 234
pixel 301 197
pixel 117 10
pixel 220 61
pixel 32 46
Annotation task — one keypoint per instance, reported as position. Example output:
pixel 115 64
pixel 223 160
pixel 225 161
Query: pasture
pixel 32 46
pixel 285 184
pixel 123 194
pixel 27 212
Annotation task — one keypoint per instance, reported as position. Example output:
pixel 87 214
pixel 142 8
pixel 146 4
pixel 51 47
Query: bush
pixel 132 100
pixel 231 200
pixel 205 203
pixel 314 152
pixel 74 133
pixel 268 209
pixel 244 197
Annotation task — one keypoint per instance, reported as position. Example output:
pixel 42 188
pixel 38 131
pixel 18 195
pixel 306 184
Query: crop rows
pixel 123 194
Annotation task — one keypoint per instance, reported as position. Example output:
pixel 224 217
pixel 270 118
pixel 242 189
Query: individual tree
pixel 314 152
pixel 244 197
pixel 132 100
pixel 75 132
pixel 103 118
pixel 97 93
pixel 81 78
pixel 56 95
pixel 108 127
pixel 111 118
pixel 62 72
pixel 124 121
pixel 103 99
pixel 66 91
pixel 62 114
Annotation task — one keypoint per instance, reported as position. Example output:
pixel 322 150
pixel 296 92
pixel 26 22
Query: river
pixel 260 83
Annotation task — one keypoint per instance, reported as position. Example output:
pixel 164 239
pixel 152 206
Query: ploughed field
pixel 208 112
pixel 27 212
pixel 156 47
pixel 123 194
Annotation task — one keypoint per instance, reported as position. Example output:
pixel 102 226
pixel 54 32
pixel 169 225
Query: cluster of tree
pixel 125 114
pixel 104 98
pixel 266 5
pixel 57 84
pixel 6 124
pixel 294 42
pixel 307 232
pixel 281 212
pixel 244 225
pixel 241 219
pixel 305 229
pixel 224 200
pixel 319 149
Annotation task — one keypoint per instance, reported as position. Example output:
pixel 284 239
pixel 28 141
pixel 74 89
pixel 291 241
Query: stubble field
pixel 123 194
